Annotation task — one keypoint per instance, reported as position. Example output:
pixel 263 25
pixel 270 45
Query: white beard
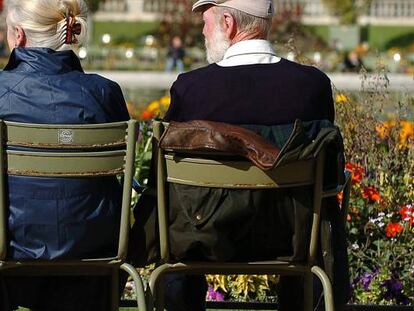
pixel 217 46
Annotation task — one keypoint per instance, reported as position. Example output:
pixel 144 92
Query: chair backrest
pixel 53 150
pixel 195 170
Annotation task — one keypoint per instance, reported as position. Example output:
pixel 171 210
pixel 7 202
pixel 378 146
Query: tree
pixel 178 19
pixel 347 10
pixel 94 4
pixel 290 34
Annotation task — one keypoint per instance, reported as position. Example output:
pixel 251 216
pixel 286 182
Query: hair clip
pixel 72 28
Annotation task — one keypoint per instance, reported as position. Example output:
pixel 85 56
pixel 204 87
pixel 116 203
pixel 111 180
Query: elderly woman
pixel 52 218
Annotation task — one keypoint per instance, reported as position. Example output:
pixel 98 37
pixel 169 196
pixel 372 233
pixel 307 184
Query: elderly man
pixel 246 83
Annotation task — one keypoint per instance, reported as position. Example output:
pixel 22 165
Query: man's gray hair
pixel 248 23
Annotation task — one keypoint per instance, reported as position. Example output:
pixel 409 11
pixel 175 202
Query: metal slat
pixel 65 136
pixel 65 164
pixel 236 174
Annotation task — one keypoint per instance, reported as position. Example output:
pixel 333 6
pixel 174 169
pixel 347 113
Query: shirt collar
pixel 248 52
pixel 250 47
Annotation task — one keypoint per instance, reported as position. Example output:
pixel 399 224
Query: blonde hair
pixel 45 21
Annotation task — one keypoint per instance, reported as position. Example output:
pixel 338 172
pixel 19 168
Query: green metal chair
pixel 198 171
pixel 71 151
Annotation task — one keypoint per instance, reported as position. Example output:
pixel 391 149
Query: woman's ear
pixel 230 26
pixel 20 36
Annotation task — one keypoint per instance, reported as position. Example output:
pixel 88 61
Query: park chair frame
pixel 205 172
pixel 90 150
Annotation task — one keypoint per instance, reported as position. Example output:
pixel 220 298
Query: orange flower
pixel 407 213
pixel 406 133
pixel 357 172
pixel 339 197
pixel 393 229
pixel 384 129
pixel 371 194
pixel 405 129
pixel 348 217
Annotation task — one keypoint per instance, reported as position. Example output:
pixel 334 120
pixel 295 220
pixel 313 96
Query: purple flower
pixel 393 290
pixel 366 279
pixel 213 295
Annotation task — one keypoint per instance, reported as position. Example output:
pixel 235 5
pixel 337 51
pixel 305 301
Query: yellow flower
pixel 165 101
pixel 132 110
pixel 154 107
pixel 341 98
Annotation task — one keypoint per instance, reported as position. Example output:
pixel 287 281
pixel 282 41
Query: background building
pixel 379 12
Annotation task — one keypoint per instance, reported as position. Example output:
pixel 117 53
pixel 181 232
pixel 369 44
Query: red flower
pixel 407 213
pixel 357 172
pixel 146 115
pixel 393 229
pixel 371 194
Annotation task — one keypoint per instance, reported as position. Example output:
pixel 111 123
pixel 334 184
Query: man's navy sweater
pixel 265 94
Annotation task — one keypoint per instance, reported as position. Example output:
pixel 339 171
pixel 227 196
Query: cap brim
pixel 198 6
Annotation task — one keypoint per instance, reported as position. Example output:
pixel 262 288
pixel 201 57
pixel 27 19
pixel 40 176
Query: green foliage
pixel 384 37
pixel 347 10
pixel 403 41
pixel 244 287
pixel 94 4
pixel 142 157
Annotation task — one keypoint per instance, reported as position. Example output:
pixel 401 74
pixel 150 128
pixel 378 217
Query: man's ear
pixel 20 36
pixel 229 25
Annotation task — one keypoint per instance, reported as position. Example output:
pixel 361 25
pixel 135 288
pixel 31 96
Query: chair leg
pixel 327 287
pixel 308 292
pixel 139 287
pixel 160 295
pixel 114 290
pixel 157 287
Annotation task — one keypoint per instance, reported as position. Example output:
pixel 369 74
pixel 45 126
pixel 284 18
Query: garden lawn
pixel 122 32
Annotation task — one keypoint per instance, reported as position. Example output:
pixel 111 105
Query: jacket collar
pixel 43 60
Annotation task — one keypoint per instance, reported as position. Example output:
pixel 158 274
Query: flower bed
pixel 380 155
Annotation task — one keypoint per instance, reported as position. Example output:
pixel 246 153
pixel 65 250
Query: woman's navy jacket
pixel 59 217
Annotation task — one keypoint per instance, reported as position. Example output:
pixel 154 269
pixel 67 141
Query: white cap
pixel 258 8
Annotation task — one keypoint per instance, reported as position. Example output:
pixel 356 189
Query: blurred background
pixel 159 38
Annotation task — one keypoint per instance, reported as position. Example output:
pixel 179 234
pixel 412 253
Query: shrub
pixel 378 142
